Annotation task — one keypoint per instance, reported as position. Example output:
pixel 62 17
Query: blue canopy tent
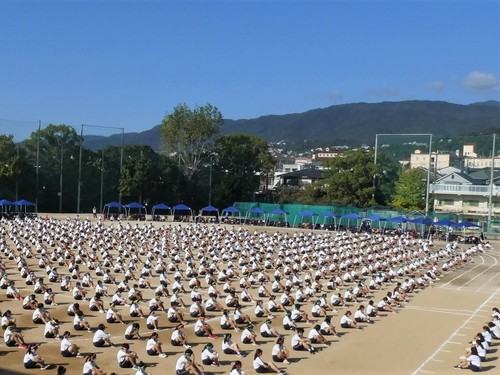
pixel 135 206
pixel 375 217
pixel 22 205
pixel 468 224
pixel 112 206
pixel 5 204
pixel 306 213
pixel 210 211
pixel 280 213
pixel 257 211
pixel 159 207
pixel 399 220
pixel 182 210
pixel 351 216
pixel 422 221
pixel 330 215
pixel 446 223
pixel 230 211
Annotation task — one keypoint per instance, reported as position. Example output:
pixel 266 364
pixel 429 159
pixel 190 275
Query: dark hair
pixel 236 365
pixel 257 353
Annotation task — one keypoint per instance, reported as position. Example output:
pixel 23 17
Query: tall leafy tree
pixel 58 160
pixel 410 191
pixel 188 133
pixel 350 178
pixel 241 160
pixel 9 165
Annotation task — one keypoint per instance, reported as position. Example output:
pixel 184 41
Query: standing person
pixel 262 367
pixel 94 212
pixel 90 366
pixel 279 352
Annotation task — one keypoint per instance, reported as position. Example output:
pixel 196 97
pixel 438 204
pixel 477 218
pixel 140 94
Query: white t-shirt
pixel 258 362
pixel 100 334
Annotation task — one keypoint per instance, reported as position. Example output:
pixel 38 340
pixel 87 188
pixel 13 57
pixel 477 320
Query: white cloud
pixel 435 85
pixel 480 81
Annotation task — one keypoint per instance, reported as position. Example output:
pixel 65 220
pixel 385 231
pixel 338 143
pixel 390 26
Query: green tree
pixel 57 167
pixel 241 160
pixel 350 178
pixel 188 133
pixel 410 191
pixel 9 165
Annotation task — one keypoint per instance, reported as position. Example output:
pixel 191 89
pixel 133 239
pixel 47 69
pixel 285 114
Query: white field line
pixel 463 273
pixel 431 357
pixel 479 274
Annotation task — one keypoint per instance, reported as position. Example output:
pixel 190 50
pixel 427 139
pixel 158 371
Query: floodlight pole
pixel 428 177
pixel 80 160
pixel 79 187
pixel 490 199
pixel 37 162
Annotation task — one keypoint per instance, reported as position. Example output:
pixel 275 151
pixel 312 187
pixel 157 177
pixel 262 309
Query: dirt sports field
pixel 427 336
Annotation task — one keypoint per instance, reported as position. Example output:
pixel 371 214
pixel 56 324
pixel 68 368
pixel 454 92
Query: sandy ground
pixel 426 337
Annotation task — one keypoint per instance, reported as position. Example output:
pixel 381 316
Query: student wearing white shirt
pixel 262 367
pixel 101 338
pixel 68 349
pixel 185 364
pixel 472 361
pixel 229 346
pixel 299 342
pixel 360 315
pixel 315 336
pixel 267 331
pixel 236 369
pixel 327 328
pixel 346 321
pixel 153 346
pixel 209 356
pixel 90 366
pixel 279 352
pixel 132 331
pixel 178 337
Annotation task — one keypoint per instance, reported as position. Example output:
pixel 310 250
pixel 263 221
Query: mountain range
pixel 353 124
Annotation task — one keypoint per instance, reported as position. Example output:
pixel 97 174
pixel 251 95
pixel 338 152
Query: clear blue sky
pixel 128 63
